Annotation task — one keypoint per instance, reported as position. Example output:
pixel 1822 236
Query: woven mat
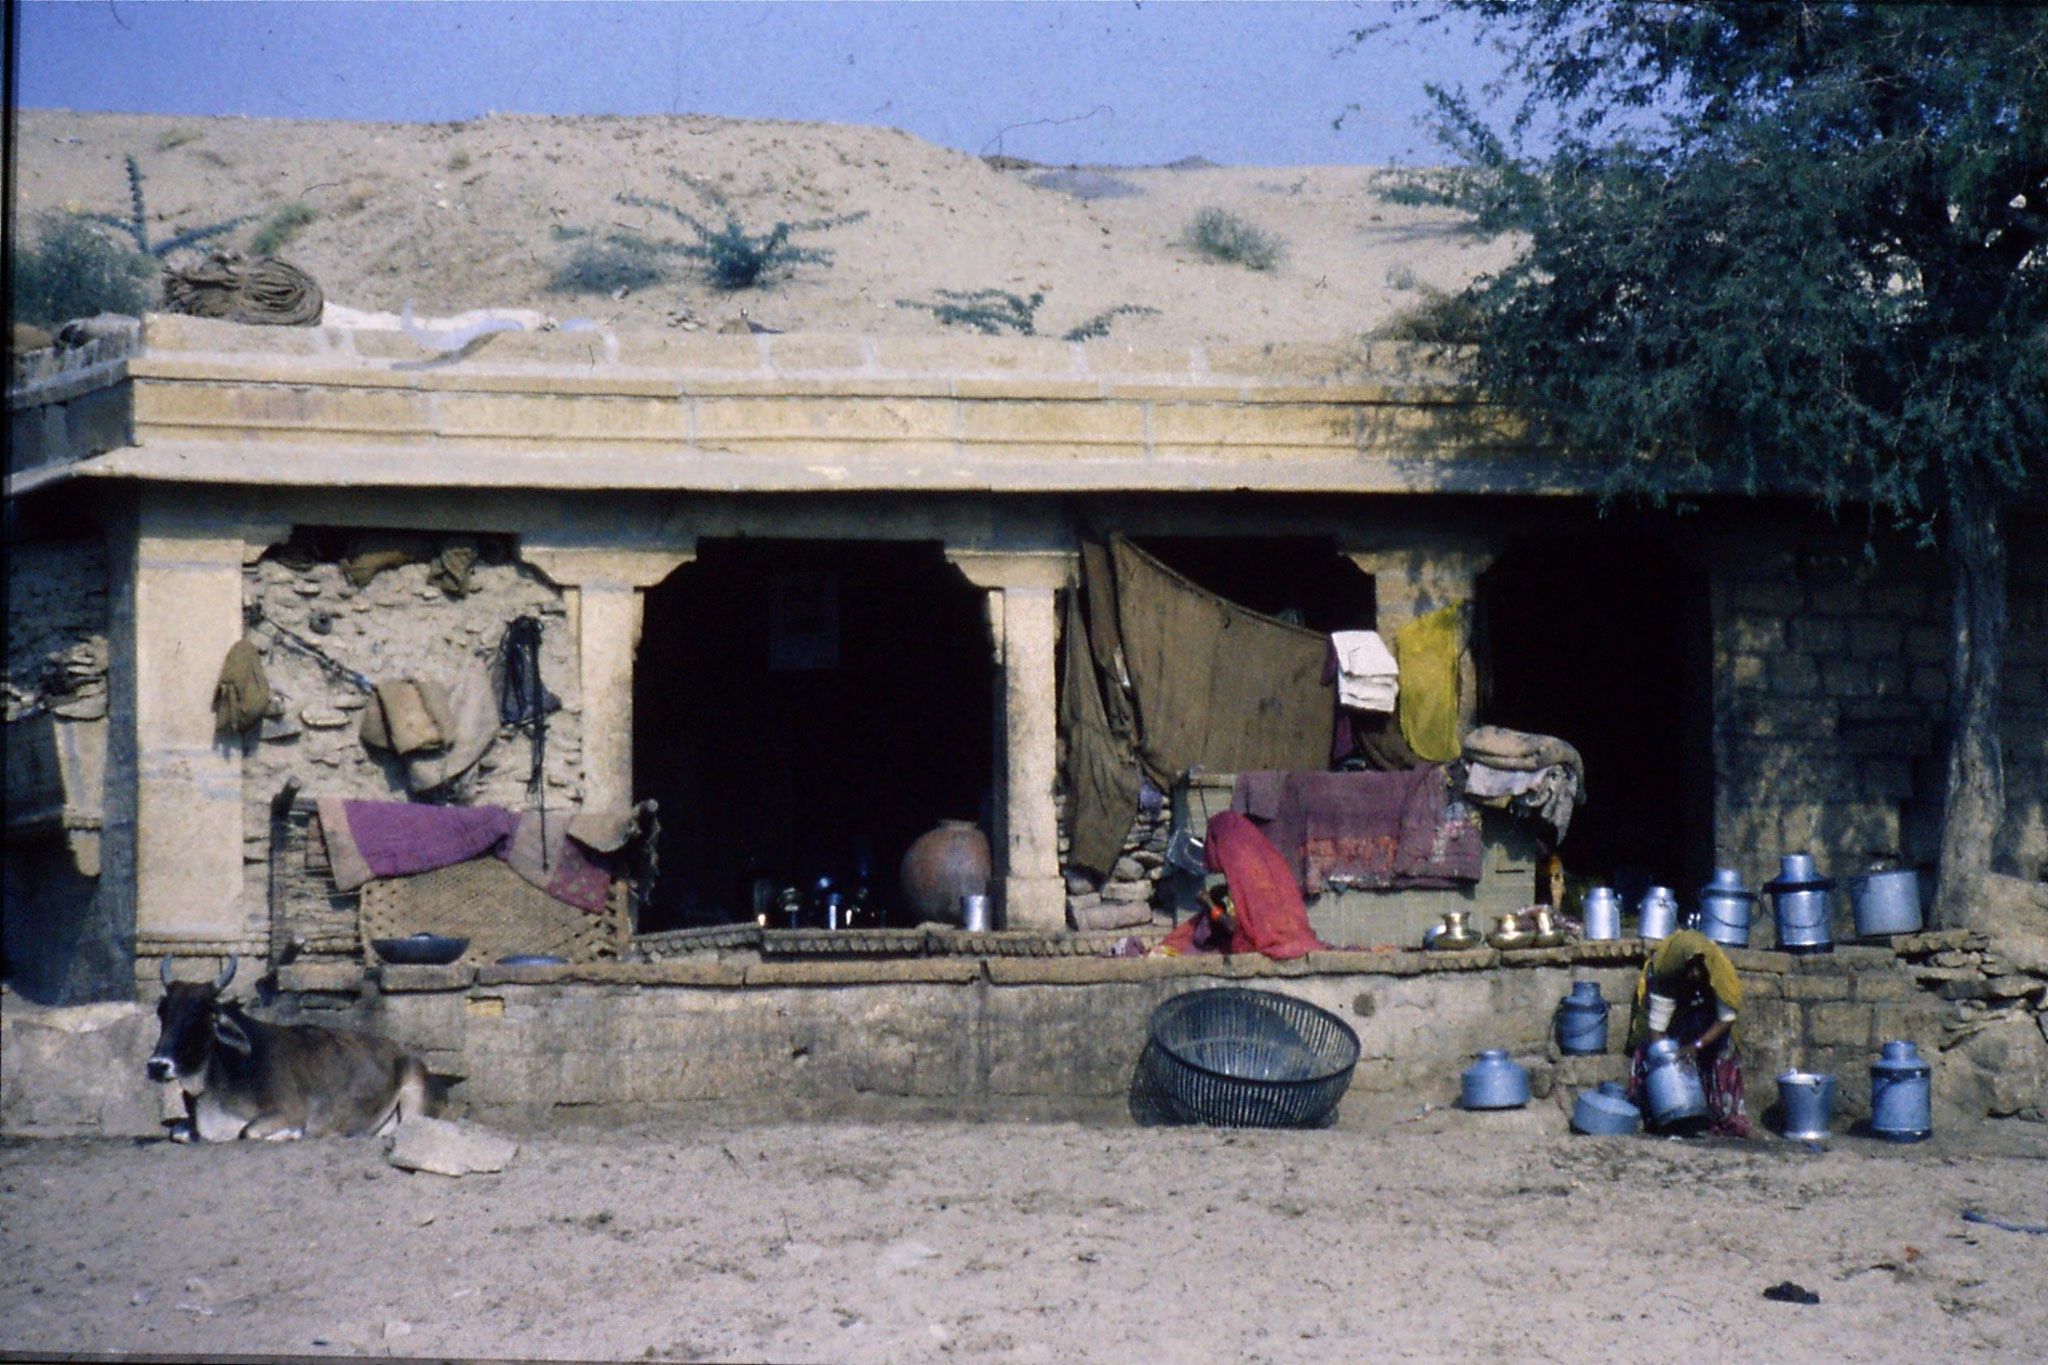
pixel 497 910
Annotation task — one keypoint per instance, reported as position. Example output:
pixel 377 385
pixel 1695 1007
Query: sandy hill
pixel 490 212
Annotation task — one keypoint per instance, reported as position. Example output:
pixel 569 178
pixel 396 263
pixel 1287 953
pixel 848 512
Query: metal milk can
pixel 1582 1021
pixel 1800 897
pixel 1672 1092
pixel 1808 1101
pixel 1605 1111
pixel 1657 913
pixel 1602 912
pixel 1901 1094
pixel 1494 1081
pixel 1727 908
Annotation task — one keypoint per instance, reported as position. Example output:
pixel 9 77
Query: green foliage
pixel 991 311
pixel 73 270
pixel 732 257
pixel 280 228
pixel 996 311
pixel 1229 239
pixel 1775 245
pixel 136 224
pixel 1437 319
pixel 618 261
pixel 458 160
pixel 1097 327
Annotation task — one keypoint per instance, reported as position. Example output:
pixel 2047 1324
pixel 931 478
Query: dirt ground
pixel 1400 1234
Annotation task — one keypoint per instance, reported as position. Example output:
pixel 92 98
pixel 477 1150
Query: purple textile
pixel 1385 831
pixel 367 839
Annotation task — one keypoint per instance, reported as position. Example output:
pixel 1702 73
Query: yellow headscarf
pixel 1669 961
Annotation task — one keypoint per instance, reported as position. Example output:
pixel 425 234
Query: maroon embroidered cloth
pixel 1381 831
pixel 368 839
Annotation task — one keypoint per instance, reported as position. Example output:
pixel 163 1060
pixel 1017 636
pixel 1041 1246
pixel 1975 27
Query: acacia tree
pixel 1784 247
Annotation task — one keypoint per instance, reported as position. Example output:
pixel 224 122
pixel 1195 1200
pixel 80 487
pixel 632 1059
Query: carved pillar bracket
pixel 1023 634
pixel 604 590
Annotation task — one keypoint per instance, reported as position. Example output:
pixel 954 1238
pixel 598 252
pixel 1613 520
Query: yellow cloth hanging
pixel 1428 649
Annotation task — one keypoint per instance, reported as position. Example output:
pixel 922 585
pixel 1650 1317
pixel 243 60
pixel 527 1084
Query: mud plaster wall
pixel 1830 688
pixel 398 625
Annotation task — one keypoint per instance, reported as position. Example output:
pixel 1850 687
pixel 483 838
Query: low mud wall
pixel 743 1037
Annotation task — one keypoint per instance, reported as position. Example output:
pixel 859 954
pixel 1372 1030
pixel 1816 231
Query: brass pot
pixel 1543 930
pixel 1510 932
pixel 1454 933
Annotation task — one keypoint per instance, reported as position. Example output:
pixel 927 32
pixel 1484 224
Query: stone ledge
pixel 1932 942
pixel 852 972
pixel 396 980
pixel 327 977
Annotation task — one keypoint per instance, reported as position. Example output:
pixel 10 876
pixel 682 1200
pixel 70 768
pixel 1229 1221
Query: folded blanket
pixel 367 839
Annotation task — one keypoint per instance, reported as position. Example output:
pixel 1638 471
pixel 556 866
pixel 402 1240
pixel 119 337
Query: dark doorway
pixel 1606 643
pixel 805 709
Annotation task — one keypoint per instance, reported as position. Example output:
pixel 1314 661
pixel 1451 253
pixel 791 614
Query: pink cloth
pixel 367 839
pixel 1378 830
pixel 1271 918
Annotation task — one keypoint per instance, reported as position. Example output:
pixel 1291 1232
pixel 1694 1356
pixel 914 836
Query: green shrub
pixel 73 270
pixel 1439 319
pixel 734 258
pixel 281 227
pixel 607 266
pixel 993 311
pixel 136 225
pixel 1098 326
pixel 1225 237
pixel 459 161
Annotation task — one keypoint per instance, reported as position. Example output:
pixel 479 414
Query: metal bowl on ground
pixel 533 960
pixel 420 950
pixel 1236 1058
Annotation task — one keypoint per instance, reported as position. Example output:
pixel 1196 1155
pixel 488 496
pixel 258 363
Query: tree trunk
pixel 1974 808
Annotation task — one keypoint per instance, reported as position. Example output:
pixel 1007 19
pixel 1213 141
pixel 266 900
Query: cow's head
pixel 191 1022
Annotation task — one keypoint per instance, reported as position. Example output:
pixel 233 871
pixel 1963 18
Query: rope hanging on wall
pixel 524 702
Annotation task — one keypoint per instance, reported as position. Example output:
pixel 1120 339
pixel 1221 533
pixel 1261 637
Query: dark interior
pixel 1297 578
pixel 805 709
pixel 1605 643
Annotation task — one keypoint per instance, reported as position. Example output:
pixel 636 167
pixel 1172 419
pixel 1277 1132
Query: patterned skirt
pixel 1720 1073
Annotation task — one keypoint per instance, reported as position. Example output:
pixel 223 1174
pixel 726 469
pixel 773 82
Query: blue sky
pixel 1110 83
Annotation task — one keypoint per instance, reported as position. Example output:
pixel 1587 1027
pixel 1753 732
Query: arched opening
pixel 1606 642
pixel 806 709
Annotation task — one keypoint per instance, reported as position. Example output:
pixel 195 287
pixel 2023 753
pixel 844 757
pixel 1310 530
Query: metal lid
pixel 1726 881
pixel 1903 1057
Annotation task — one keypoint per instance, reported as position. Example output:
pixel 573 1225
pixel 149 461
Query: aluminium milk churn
pixel 1602 912
pixel 1582 1021
pixel 1494 1081
pixel 1657 913
pixel 1671 1087
pixel 1807 1100
pixel 1726 909
pixel 1800 896
pixel 1900 1094
pixel 1605 1111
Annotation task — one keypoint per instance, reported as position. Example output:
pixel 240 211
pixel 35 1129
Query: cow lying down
pixel 244 1078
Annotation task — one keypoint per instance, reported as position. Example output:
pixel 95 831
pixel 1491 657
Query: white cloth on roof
pixel 1368 678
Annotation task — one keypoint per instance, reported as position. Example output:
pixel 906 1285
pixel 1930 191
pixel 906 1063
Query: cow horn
pixel 227 974
pixel 164 971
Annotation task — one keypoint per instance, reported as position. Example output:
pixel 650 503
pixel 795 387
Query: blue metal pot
pixel 1901 1094
pixel 1582 1021
pixel 1808 1101
pixel 1605 1111
pixel 1671 1087
pixel 1494 1081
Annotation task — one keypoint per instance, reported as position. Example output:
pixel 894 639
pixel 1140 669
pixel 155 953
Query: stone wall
pixel 65 940
pixel 1830 688
pixel 397 625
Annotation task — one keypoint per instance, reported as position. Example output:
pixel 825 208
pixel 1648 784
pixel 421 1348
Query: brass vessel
pixel 1455 932
pixel 1544 930
pixel 1510 932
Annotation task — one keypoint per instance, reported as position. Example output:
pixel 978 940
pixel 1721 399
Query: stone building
pixel 1743 679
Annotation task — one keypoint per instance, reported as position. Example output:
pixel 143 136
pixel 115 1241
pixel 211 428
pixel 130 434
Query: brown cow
pixel 244 1078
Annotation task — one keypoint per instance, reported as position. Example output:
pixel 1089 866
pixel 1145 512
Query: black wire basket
pixel 1234 1058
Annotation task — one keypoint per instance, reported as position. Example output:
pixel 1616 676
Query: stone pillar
pixel 1415 574
pixel 604 590
pixel 1024 635
pixel 187 602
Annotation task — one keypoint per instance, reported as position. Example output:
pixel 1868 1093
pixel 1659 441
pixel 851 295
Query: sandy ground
pixel 1399 1234
pixel 461 216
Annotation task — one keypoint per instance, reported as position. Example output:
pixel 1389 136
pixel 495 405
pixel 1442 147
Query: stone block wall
pixel 1830 688
pixel 398 625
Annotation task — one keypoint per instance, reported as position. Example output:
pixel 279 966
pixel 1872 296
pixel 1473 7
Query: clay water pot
pixel 943 867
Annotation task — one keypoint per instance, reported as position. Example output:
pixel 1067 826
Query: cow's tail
pixel 414 1098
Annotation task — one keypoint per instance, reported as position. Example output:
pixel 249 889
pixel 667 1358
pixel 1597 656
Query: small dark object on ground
pixel 1973 1216
pixel 1785 1291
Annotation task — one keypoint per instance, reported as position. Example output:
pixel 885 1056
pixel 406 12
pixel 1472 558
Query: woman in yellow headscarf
pixel 1689 992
